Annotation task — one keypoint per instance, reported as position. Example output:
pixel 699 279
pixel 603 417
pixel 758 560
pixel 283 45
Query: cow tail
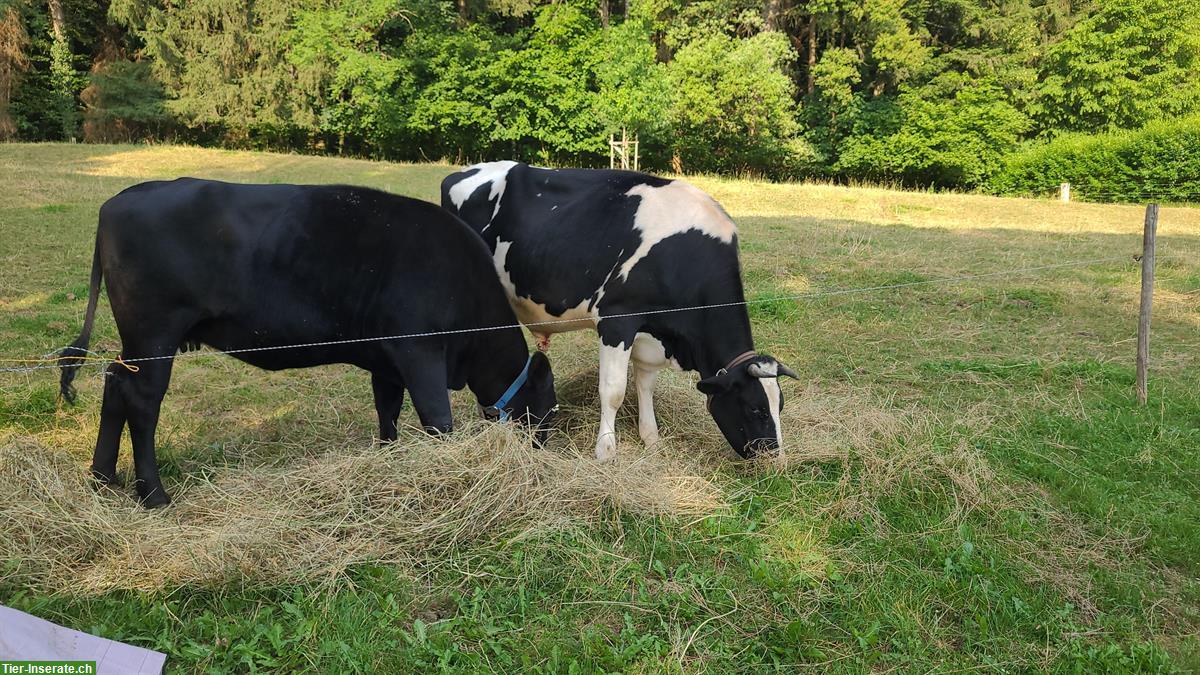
pixel 71 358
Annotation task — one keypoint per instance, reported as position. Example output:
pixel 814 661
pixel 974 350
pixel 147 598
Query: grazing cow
pixel 255 267
pixel 623 251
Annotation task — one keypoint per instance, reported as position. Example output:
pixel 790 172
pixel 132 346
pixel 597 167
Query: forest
pixel 973 94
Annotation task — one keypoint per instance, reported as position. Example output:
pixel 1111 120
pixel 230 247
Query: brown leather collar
pixel 737 361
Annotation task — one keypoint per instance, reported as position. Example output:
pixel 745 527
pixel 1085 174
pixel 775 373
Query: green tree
pixel 632 89
pixel 64 80
pixel 833 103
pixel 733 105
pixel 13 63
pixel 895 52
pixel 550 110
pixel 223 63
pixel 453 115
pixel 926 91
pixel 124 103
pixel 1131 62
pixel 938 141
pixel 347 84
pixel 531 96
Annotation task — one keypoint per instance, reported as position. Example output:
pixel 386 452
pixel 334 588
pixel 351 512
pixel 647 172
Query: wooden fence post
pixel 1143 343
pixel 1064 192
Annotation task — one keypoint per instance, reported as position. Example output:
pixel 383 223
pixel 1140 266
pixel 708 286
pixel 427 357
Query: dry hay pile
pixel 329 506
pixel 311 519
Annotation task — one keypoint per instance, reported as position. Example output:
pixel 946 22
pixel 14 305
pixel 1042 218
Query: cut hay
pixel 297 493
pixel 312 519
pixel 318 501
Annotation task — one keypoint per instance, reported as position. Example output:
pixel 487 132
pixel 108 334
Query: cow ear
pixel 714 385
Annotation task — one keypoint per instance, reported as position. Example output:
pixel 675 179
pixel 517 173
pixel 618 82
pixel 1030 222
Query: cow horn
pixel 777 369
pixel 760 370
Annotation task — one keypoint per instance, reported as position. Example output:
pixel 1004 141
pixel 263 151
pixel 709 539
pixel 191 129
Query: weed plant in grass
pixel 968 482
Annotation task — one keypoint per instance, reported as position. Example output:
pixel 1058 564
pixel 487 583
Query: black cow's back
pixel 264 265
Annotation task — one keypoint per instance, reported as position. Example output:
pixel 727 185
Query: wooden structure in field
pixel 623 154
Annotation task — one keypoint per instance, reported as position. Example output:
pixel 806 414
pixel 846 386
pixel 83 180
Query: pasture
pixel 968 484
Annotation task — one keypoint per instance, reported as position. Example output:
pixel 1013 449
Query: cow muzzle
pixel 760 446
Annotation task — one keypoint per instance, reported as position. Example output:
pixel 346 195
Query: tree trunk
pixel 812 50
pixel 62 70
pixel 58 20
pixel 773 14
pixel 604 9
pixel 462 11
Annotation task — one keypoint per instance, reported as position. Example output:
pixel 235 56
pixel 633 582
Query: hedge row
pixel 1159 162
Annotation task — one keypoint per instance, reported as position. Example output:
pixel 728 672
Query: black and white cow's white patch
pixel 580 248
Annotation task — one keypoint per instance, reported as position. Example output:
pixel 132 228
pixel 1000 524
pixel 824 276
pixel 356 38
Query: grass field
pixel 969 482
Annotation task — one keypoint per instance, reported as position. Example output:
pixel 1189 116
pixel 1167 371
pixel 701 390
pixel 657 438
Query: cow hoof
pixel 651 438
pixel 606 448
pixel 155 500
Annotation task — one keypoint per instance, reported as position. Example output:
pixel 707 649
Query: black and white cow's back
pixel 623 251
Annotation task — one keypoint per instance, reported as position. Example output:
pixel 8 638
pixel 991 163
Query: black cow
pixel 621 251
pixel 239 267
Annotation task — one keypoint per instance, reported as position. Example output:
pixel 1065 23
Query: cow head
pixel 745 401
pixel 534 403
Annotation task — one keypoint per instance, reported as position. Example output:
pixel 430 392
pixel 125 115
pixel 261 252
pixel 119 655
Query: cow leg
pixel 112 423
pixel 423 368
pixel 389 398
pixel 649 357
pixel 144 391
pixel 614 371
pixel 643 378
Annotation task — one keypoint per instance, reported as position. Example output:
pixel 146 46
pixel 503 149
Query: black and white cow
pixel 621 251
pixel 254 267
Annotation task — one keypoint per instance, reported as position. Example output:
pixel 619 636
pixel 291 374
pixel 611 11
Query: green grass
pixel 972 487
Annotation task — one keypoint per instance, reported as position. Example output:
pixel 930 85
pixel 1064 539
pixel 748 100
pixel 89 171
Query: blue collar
pixel 512 391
